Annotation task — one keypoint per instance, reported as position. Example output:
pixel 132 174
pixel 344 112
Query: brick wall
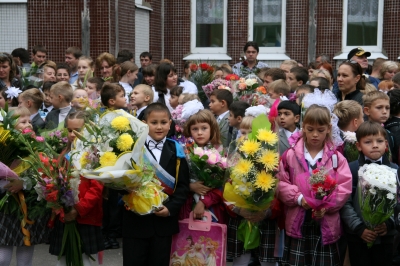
pixel 54 24
pixel 99 28
pixel 297 30
pixel 126 19
pixel 391 29
pixel 238 12
pixel 155 30
pixel 329 16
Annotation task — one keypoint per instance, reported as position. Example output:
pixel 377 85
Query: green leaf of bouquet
pixel 260 122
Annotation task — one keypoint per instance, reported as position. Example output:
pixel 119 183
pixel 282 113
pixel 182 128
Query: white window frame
pixel 208 50
pixel 375 50
pixel 270 53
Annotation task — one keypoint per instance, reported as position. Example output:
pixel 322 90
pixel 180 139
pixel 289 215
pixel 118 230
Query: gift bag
pixel 199 243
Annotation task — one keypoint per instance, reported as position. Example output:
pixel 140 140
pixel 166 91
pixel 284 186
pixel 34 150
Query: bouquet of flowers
pixel 179 124
pixel 350 150
pixel 232 77
pixel 246 87
pixel 322 187
pixel 31 76
pixel 215 85
pixel 252 179
pixel 201 74
pixel 57 140
pixel 112 152
pixel 377 188
pixel 208 165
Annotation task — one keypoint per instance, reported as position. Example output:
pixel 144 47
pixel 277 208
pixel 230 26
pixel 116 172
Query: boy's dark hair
pixel 64 66
pixel 307 87
pixel 22 53
pixel 98 81
pixel 75 51
pixel 238 108
pixel 275 73
pixel 146 54
pixel 394 96
pixel 252 44
pixel 300 73
pixel 109 91
pixel 124 55
pixel 155 107
pixel 150 70
pixel 223 95
pixel 176 91
pixel 39 48
pixel 323 83
pixel 289 105
pixel 47 85
pixel 369 128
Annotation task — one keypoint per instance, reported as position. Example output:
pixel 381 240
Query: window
pixel 267 23
pixel 362 25
pixel 209 27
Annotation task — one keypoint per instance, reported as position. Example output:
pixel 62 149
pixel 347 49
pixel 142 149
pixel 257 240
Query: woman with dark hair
pixel 7 70
pixel 149 74
pixel 350 81
pixel 165 79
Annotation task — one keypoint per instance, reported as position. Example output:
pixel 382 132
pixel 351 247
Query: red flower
pixel 193 67
pixel 52 197
pixel 210 69
pixel 232 77
pixel 204 66
pixel 49 186
pixel 44 159
pixel 315 171
pixel 245 63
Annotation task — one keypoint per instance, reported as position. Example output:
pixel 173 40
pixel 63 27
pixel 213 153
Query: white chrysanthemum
pixel 372 191
pixel 390 196
pixel 350 137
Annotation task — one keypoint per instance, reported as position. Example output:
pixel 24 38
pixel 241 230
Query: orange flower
pixel 262 89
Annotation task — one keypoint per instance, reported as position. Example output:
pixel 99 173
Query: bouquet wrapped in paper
pixel 252 180
pixel 350 150
pixel 246 87
pixel 377 188
pixel 113 153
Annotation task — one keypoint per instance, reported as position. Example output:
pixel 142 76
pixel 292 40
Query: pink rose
pixel 40 139
pixel 223 162
pixel 198 151
pixel 242 86
pixel 213 158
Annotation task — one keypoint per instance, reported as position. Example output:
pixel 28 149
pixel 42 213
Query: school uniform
pixel 147 238
pixel 224 128
pixel 57 116
pixel 284 136
pixel 37 122
pixel 381 251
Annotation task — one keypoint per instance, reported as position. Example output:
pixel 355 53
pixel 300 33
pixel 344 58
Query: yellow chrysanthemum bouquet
pixel 111 152
pixel 252 181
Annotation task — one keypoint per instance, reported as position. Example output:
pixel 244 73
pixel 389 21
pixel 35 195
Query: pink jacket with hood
pixel 293 166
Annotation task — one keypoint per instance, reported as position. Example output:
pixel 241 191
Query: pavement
pixel 42 257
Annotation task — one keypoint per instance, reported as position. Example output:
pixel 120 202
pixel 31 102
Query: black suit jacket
pixel 145 226
pixel 37 123
pixel 52 118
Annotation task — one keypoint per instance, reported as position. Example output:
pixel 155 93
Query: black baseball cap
pixel 358 52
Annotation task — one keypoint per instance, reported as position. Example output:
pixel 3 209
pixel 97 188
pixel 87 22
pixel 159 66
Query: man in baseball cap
pixel 360 56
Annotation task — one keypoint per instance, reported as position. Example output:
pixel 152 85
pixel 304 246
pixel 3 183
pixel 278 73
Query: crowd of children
pixel 335 235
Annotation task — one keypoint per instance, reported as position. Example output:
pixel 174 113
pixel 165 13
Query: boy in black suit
pixel 147 238
pixel 60 97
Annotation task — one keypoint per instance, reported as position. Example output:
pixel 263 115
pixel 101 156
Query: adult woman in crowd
pixel 388 70
pixel 328 67
pixel 350 81
pixel 49 71
pixel 165 79
pixel 7 70
pixel 105 63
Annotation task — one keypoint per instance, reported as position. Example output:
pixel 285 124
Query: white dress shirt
pixel 156 152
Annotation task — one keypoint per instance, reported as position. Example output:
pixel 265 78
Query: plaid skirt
pixel 265 251
pixel 11 234
pixel 309 249
pixel 91 236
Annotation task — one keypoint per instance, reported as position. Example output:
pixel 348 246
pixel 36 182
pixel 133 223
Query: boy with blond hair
pixel 377 109
pixel 278 88
pixel 60 96
pixel 141 96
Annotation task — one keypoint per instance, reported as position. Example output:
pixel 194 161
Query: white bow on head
pixel 13 92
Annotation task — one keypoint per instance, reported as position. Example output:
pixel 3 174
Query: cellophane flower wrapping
pixel 320 189
pixel 112 152
pixel 207 164
pixel 252 182
pixel 377 188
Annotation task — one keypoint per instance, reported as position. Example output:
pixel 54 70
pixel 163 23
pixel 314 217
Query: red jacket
pixel 90 205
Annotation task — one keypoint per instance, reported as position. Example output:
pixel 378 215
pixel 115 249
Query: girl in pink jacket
pixel 311 234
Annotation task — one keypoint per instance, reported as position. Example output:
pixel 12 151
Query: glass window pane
pixel 267 23
pixel 209 23
pixel 362 22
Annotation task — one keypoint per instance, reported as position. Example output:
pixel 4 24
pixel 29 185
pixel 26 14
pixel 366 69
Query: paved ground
pixel 41 257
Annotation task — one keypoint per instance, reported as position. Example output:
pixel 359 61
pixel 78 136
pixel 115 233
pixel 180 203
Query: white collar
pixel 65 109
pixel 308 157
pixel 150 138
pixel 221 116
pixel 379 160
pixel 32 116
pixel 288 133
pixel 140 110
